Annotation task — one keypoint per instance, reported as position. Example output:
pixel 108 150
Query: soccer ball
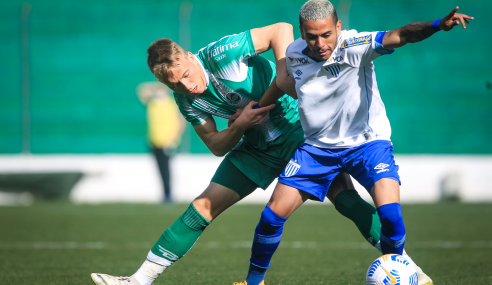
pixel 391 269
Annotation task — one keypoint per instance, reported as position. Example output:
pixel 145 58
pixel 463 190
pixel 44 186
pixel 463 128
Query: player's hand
pixel 234 117
pixel 249 118
pixel 454 19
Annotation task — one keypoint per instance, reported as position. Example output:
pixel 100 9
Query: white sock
pixel 404 254
pixel 152 267
pixel 378 247
pixel 407 257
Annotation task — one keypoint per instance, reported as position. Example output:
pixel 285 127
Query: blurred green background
pixel 86 59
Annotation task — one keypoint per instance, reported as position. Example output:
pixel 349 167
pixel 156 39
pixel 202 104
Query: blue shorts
pixel 312 169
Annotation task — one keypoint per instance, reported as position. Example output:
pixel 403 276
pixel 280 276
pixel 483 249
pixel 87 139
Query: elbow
pixel 287 85
pixel 285 27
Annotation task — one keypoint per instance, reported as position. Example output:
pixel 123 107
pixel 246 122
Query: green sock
pixel 178 239
pixel 363 214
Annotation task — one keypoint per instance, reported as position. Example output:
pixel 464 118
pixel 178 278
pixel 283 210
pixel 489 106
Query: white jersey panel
pixel 339 101
pixel 236 71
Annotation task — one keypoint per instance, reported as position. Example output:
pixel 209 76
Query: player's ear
pixel 302 31
pixel 339 27
pixel 189 56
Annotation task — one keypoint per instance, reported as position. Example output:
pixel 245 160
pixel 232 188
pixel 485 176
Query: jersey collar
pixel 330 60
pixel 203 70
pixel 335 53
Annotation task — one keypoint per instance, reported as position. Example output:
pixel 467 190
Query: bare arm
pixel 272 94
pixel 285 82
pixel 276 37
pixel 220 143
pixel 418 31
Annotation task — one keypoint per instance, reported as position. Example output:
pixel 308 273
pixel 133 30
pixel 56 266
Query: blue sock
pixel 267 238
pixel 392 228
pixel 255 275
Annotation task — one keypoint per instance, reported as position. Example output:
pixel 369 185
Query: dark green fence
pixel 86 58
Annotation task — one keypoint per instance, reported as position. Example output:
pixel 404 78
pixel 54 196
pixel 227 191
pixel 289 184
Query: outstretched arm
pixel 418 31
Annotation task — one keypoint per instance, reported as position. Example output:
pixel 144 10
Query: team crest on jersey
pixel 291 169
pixel 333 69
pixel 356 41
pixel 302 60
pixel 233 98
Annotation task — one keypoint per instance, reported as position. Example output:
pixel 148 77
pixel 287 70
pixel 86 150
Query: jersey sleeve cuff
pixel 378 44
pixel 197 121
pixel 251 43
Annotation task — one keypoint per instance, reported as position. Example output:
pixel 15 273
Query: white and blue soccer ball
pixel 392 269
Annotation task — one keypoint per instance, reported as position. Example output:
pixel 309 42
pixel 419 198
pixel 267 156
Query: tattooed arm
pixel 418 31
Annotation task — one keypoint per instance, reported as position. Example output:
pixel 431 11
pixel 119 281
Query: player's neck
pixel 203 76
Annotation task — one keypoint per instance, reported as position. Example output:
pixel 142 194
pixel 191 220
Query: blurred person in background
pixel 165 127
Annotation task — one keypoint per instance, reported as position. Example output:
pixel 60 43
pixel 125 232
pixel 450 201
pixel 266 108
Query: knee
pixel 204 207
pixel 270 222
pixel 391 221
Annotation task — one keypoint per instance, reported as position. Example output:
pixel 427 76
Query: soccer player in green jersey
pixel 226 76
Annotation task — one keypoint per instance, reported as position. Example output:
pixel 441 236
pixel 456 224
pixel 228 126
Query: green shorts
pixel 251 166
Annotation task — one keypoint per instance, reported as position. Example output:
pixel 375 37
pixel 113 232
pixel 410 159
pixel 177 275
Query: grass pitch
pixel 62 243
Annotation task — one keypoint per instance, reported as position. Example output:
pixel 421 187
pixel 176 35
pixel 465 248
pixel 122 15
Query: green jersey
pixel 235 76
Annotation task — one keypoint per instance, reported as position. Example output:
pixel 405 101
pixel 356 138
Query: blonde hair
pixel 161 55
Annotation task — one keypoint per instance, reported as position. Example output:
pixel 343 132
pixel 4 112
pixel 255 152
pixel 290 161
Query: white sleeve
pixel 364 47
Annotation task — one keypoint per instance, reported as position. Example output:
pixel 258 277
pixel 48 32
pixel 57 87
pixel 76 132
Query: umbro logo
pixel 298 72
pixel 382 167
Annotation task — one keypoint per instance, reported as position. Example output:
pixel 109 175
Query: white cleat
pixel 423 278
pixel 105 279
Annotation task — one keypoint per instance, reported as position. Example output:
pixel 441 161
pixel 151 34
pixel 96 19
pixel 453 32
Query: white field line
pixel 237 244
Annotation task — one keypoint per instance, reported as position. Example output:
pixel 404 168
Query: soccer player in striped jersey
pixel 345 125
pixel 226 76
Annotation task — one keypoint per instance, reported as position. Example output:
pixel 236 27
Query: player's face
pixel 321 37
pixel 187 77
